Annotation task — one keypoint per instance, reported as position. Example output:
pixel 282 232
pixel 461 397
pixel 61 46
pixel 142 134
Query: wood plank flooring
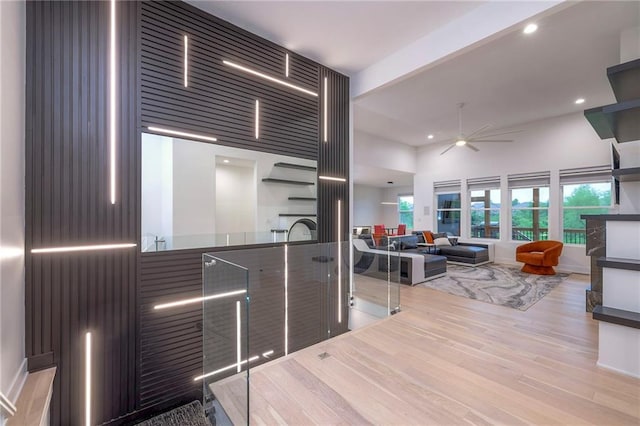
pixel 448 360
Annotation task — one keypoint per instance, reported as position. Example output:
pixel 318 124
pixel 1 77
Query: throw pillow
pixel 428 237
pixel 408 243
pixel 442 241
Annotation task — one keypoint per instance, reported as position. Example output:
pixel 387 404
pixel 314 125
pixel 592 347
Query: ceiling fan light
pixel 461 142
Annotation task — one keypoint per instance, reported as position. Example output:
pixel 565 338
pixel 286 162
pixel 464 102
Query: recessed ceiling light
pixel 529 29
pixel 225 161
pixel 580 101
pixel 430 137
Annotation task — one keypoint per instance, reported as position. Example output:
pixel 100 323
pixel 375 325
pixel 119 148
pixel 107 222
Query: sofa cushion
pixel 428 237
pixel 408 242
pixel 464 251
pixel 443 241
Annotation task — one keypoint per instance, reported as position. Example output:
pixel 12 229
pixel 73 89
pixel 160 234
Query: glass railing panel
pixel 226 354
pixel 153 243
pixel 377 272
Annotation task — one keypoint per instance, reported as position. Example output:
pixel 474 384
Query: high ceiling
pixel 505 81
pixel 347 36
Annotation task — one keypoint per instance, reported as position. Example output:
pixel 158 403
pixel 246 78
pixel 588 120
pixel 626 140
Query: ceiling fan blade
pixel 468 145
pixel 448 148
pixel 490 135
pixel 481 129
pixel 491 140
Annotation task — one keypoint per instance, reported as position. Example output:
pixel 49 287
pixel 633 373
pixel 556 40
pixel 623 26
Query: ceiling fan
pixel 475 136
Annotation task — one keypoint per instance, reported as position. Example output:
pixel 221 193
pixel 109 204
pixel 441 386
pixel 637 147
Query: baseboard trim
pixel 617 370
pixel 40 362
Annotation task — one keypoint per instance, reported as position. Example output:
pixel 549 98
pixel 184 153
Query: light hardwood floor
pixel 449 360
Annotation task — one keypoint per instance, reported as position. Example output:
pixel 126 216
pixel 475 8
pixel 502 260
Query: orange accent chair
pixel 539 257
pixel 402 229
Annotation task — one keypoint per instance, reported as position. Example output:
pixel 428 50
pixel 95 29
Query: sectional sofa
pixel 403 266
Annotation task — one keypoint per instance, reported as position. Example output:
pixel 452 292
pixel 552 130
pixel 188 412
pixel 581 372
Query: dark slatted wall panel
pixel 333 159
pixel 67 203
pixel 220 100
pixel 171 339
pixel 145 360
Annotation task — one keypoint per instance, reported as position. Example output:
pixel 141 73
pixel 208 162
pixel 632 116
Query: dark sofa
pixel 407 265
pixel 460 253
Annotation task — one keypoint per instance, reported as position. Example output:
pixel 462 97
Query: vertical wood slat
pixel 67 204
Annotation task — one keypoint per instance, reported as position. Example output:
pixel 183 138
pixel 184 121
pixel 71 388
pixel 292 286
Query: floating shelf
pixel 303 198
pixel 627 175
pixel 618 263
pixel 617 316
pixel 295 166
pixel 288 182
pixel 297 215
pixel 620 121
pixel 624 80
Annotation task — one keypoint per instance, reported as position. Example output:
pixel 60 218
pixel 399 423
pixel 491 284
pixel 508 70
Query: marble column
pixel 596 247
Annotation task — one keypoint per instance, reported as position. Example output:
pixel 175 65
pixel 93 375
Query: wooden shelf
pixel 627 175
pixel 295 166
pixel 302 198
pixel 288 182
pixel 618 263
pixel 617 316
pixel 297 215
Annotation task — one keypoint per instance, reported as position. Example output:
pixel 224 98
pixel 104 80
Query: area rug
pixel 191 414
pixel 498 284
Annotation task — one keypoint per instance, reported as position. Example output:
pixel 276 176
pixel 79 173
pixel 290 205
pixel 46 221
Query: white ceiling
pixel 347 36
pixel 510 80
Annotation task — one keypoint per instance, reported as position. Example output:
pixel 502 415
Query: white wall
pixel 12 124
pixel 548 145
pixel 194 188
pixel 235 199
pixel 366 205
pixel 157 181
pixel 373 151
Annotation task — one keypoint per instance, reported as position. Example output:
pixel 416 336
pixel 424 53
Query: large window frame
pixel 405 215
pixel 579 204
pixel 448 207
pixel 539 183
pixel 485 202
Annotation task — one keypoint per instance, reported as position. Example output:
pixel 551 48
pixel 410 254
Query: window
pixel 484 207
pixel 448 213
pixel 447 198
pixel 405 210
pixel 529 206
pixel 579 199
pixel 485 213
pixel 530 214
pixel 585 190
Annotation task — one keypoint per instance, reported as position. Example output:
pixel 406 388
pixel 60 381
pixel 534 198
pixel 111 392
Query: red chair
pixel 379 229
pixel 402 229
